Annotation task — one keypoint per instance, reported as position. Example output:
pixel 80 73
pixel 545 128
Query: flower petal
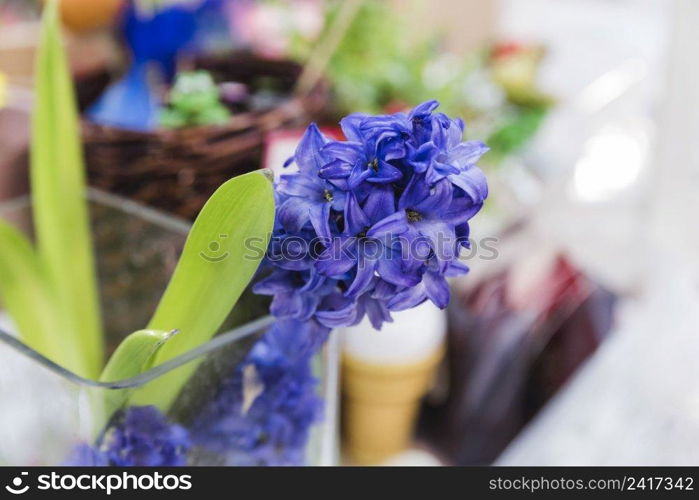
pixel 473 183
pixel 319 214
pixel 461 210
pixel 355 219
pixel 339 317
pixel 349 152
pixel 380 203
pixel 424 109
pixel 410 297
pixel 437 289
pixel 376 312
pixel 300 185
pixel 337 169
pixel 339 258
pixel 308 153
pixel 366 267
pixel 393 225
pixel 456 268
pixel 351 125
pixel 416 191
pixel 467 153
pixel 276 283
pixel 294 213
pixel 385 174
pixel 442 239
pixel 383 290
pixel 422 157
pixel 391 270
pixel 438 200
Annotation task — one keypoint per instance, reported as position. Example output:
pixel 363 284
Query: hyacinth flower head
pixel 374 223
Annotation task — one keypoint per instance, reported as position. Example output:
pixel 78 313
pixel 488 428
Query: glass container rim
pixel 214 344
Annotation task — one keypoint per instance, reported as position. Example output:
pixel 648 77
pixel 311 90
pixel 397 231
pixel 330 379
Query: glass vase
pixel 229 416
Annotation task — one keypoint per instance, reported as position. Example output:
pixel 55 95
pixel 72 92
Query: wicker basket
pixel 177 170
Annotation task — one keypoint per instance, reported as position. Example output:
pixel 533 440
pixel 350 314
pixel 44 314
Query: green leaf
pixel 26 295
pixel 135 355
pixel 222 253
pixel 60 209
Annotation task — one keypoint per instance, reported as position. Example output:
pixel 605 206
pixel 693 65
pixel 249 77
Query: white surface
pixel 676 180
pixel 414 335
pixel 6 324
pixel 44 419
pixel 605 65
pixel 636 402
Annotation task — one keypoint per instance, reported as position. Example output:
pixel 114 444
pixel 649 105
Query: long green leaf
pixel 60 209
pixel 28 298
pixel 134 356
pixel 220 257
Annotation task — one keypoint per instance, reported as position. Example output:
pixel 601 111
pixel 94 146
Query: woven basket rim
pixel 239 122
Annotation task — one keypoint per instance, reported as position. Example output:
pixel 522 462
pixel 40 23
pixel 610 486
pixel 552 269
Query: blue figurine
pixel 154 40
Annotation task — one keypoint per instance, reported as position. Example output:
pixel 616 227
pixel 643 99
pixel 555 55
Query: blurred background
pixel 574 339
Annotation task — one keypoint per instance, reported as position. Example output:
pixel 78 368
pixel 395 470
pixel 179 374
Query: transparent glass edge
pixel 217 342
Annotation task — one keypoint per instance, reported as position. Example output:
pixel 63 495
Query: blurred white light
pixel 612 85
pixel 612 162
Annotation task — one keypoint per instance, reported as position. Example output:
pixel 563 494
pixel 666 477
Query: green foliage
pixel 194 101
pixel 221 255
pixel 515 132
pixel 380 67
pixel 60 208
pixel 134 356
pixel 51 292
pixel 26 295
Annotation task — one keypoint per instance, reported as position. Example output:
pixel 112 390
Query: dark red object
pixel 506 360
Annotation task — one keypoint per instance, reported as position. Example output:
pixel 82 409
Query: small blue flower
pixel 84 455
pixel 263 412
pixel 457 161
pixel 296 293
pixel 367 244
pixel 140 436
pixel 305 197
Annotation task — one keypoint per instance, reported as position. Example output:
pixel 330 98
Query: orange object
pixel 85 15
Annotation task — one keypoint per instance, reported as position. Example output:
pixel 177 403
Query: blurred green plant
pixel 61 316
pixel 378 67
pixel 194 101
pixel 50 291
